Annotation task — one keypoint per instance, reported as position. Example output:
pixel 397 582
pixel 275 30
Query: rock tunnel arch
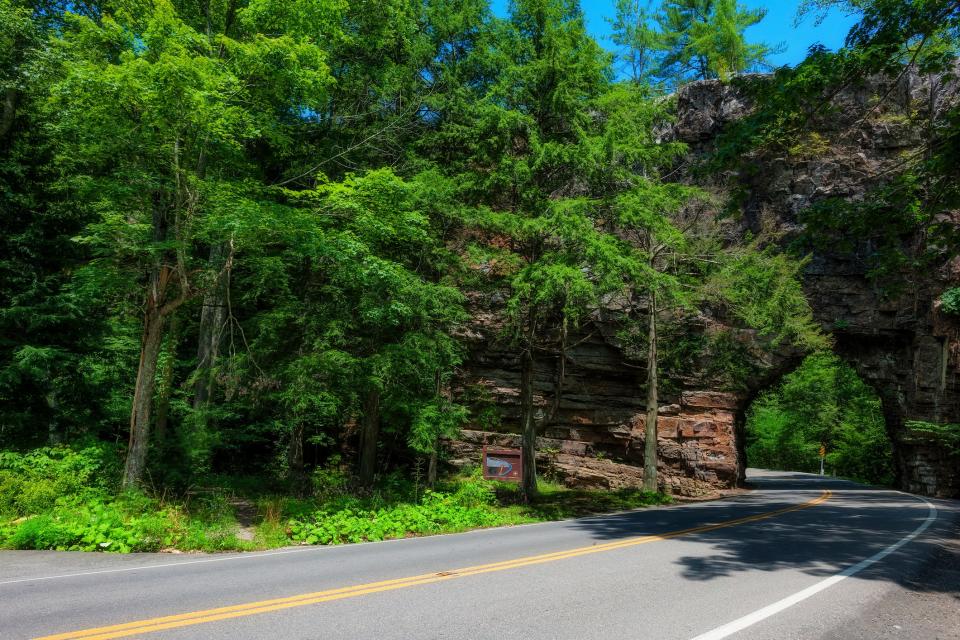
pixel 902 345
pixel 597 438
pixel 897 337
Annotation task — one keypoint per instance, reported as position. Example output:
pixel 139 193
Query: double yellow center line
pixel 263 606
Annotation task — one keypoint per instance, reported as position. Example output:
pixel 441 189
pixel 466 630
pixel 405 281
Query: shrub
pixel 352 520
pixel 94 526
pixel 33 482
pixel 329 481
pixel 950 301
pixel 132 522
pixel 40 532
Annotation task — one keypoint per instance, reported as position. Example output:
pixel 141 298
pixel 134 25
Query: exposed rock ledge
pixel 901 346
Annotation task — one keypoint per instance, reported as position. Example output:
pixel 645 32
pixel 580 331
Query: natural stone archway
pixel 902 346
pixel 908 373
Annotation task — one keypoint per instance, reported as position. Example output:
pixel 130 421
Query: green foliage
pixel 729 360
pixel 811 146
pixel 685 40
pixel 467 503
pixel 77 513
pixel 883 221
pixel 897 228
pixel 950 301
pixel 130 523
pixel 65 499
pixel 705 39
pixel 95 526
pixel 559 504
pixel 764 289
pixel 822 403
pixel 466 508
pixel 34 482
pixel 330 481
pixel 254 219
pixel 640 44
pixel 948 435
pixel 434 420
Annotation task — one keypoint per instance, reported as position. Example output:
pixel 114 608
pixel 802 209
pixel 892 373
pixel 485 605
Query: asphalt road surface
pixel 799 557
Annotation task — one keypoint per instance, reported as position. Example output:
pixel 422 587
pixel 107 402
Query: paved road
pixel 767 564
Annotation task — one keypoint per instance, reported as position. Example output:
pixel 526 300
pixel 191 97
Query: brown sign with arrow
pixel 502 464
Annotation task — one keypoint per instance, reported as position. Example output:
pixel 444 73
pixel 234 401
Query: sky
pixel 777 27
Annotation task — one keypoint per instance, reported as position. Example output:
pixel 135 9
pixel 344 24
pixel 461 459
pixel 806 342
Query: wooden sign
pixel 502 464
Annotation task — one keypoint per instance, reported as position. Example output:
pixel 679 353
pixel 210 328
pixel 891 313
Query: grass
pixel 459 504
pixel 46 504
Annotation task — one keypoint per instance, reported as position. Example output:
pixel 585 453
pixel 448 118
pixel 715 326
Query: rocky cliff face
pixel 596 434
pixel 901 344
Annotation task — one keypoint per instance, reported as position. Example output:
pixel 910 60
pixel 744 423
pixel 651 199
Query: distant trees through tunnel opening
pixel 823 403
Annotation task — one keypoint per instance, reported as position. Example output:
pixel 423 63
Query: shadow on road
pixel 821 541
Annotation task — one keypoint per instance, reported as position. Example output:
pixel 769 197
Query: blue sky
pixel 776 28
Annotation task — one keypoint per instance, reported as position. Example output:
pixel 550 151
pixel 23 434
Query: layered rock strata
pixel 901 344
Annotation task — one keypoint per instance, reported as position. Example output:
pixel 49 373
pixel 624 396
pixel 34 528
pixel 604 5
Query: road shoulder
pixel 924 604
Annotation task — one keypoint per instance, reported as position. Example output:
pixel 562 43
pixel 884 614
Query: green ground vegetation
pixel 67 499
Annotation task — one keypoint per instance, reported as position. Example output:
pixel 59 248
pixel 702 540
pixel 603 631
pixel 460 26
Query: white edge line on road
pixel 157 566
pixel 770 610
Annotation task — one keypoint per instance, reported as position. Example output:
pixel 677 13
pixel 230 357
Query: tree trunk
pixel 650 438
pixel 528 424
pixel 212 318
pixel 166 381
pixel 143 397
pixel 432 467
pixel 9 112
pixel 295 459
pixel 561 375
pixel 369 436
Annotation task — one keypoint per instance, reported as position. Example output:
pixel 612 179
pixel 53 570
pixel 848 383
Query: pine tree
pixel 705 39
pixel 640 43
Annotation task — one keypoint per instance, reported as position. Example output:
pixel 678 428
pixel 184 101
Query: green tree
pixel 400 329
pixel 650 216
pixel 640 43
pixel 705 39
pixel 763 288
pixel 551 71
pixel 352 320
pixel 566 269
pixel 153 121
pixel 675 262
pixel 50 330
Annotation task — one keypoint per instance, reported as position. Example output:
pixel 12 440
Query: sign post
pixel 823 454
pixel 502 464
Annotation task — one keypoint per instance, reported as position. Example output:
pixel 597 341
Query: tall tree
pixel 705 39
pixel 551 70
pixel 565 272
pixel 660 222
pixel 49 328
pixel 640 43
pixel 352 318
pixel 154 120
pixel 674 254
